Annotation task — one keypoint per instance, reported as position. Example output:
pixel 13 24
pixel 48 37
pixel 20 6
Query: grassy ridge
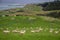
pixel 20 22
pixel 27 22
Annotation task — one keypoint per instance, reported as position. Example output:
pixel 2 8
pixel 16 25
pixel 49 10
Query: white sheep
pixel 6 31
pixel 22 31
pixel 56 32
pixel 31 18
pixel 51 30
pixel 40 29
pixel 15 31
pixel 3 15
pixel 32 31
pixel 36 30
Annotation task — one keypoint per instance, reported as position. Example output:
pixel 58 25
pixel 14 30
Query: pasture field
pixel 50 28
pixel 29 23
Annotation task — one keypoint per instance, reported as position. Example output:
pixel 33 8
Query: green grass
pixel 20 22
pixel 23 21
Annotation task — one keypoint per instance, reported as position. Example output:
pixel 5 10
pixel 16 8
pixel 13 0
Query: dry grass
pixel 49 18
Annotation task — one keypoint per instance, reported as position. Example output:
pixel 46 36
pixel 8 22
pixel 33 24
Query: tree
pixel 56 0
pixel 53 5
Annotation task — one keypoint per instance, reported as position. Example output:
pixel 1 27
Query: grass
pixel 20 20
pixel 14 22
pixel 24 21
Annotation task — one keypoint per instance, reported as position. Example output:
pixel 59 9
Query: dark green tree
pixel 53 5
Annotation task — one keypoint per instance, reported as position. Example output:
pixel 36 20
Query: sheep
pixel 22 31
pixel 6 31
pixel 3 15
pixel 40 29
pixel 15 31
pixel 32 31
pixel 36 30
pixel 32 18
pixel 14 15
pixel 51 30
pixel 56 32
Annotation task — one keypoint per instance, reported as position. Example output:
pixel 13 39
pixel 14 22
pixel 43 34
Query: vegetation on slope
pixel 39 19
pixel 26 22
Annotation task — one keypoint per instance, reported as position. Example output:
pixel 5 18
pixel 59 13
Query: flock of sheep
pixel 32 30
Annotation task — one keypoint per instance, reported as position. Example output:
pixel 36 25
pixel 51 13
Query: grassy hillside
pixel 26 22
pixel 26 19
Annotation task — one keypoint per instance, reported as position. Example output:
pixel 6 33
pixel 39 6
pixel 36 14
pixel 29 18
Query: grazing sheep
pixel 51 30
pixel 15 31
pixel 6 31
pixel 36 30
pixel 56 32
pixel 32 31
pixel 31 18
pixel 22 31
pixel 14 15
pixel 40 29
pixel 3 15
